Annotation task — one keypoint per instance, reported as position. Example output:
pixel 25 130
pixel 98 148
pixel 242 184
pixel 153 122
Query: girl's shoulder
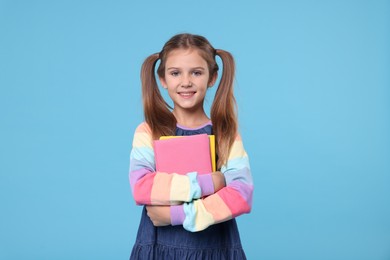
pixel 143 128
pixel 143 136
pixel 238 137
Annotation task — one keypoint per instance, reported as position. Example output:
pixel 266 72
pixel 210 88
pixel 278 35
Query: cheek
pixel 172 82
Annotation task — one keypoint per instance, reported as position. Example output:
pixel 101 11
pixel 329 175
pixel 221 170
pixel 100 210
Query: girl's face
pixel 186 78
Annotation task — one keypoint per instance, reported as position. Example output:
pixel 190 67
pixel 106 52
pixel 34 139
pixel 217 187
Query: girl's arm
pixel 229 202
pixel 155 188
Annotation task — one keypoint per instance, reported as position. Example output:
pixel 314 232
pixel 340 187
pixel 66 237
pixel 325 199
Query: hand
pixel 159 215
pixel 218 180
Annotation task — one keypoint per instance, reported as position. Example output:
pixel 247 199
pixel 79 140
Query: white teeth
pixel 187 94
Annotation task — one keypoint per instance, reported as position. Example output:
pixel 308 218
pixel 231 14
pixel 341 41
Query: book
pixel 184 154
pixel 212 148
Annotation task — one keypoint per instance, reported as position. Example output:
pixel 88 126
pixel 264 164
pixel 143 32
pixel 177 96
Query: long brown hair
pixel 223 113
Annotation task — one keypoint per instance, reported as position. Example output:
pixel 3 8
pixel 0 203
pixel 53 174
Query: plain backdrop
pixel 313 93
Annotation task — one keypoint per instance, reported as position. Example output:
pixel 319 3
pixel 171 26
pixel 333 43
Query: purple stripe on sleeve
pixel 177 215
pixel 134 176
pixel 206 184
pixel 244 189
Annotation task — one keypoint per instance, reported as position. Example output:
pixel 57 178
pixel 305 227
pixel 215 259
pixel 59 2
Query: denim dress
pixel 219 241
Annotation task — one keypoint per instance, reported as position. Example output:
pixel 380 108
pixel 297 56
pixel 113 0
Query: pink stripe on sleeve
pixel 143 188
pixel 235 202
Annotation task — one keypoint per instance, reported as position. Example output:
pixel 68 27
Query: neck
pixel 191 119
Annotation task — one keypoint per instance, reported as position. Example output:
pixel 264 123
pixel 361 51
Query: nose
pixel 186 82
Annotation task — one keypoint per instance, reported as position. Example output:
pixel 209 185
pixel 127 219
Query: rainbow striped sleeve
pixel 229 202
pixel 150 187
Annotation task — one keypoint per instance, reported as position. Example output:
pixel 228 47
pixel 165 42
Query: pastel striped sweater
pixel 193 201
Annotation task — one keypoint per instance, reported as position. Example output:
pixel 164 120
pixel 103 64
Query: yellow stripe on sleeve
pixel 142 139
pixel 180 188
pixel 237 150
pixel 203 218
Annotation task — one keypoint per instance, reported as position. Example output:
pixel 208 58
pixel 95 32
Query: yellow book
pixel 212 148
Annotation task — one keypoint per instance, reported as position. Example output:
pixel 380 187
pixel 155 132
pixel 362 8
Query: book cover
pixel 183 155
pixel 212 148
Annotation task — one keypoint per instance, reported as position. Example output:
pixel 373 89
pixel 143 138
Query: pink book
pixel 183 155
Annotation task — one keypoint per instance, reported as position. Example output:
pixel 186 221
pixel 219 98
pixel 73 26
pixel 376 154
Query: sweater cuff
pixel 177 215
pixel 206 184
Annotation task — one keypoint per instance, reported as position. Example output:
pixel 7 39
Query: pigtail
pixel 223 110
pixel 156 111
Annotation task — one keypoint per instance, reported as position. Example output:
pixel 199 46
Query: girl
pixel 189 216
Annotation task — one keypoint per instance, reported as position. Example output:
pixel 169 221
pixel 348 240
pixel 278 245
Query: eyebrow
pixel 195 68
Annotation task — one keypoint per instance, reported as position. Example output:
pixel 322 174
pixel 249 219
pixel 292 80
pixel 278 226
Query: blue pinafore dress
pixel 217 242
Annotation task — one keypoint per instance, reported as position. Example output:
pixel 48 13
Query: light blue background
pixel 313 88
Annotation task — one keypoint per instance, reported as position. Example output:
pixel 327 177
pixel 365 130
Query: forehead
pixel 185 57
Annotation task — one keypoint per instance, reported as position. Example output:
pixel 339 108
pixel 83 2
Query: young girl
pixel 189 216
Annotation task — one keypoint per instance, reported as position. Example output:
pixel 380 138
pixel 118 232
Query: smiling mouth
pixel 187 94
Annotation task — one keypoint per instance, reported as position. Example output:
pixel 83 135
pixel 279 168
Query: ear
pixel 213 80
pixel 163 83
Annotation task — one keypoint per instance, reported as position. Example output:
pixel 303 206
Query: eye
pixel 174 73
pixel 197 73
